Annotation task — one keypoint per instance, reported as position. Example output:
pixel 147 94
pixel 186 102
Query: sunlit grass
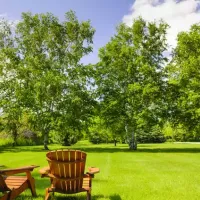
pixel 154 172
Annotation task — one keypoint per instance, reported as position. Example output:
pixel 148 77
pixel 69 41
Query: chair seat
pixel 85 187
pixel 14 182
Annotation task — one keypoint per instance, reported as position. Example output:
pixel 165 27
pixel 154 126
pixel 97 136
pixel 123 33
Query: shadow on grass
pixel 70 197
pixel 3 167
pixel 143 149
pixel 64 197
pixel 82 197
pixel 28 149
pixel 29 197
pixel 21 149
pixel 115 197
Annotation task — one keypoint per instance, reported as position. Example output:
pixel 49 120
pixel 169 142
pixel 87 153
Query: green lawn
pixel 154 172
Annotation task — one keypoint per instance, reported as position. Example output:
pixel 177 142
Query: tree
pixel 9 87
pixel 129 77
pixel 98 132
pixel 51 83
pixel 184 78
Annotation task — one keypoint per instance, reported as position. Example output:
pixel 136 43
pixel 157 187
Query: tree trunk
pixel 133 145
pixel 115 142
pixel 131 137
pixel 46 141
pixel 14 134
pixel 133 142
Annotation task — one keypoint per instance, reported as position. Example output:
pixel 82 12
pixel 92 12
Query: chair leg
pixel 88 195
pixel 47 194
pixel 6 196
pixel 32 186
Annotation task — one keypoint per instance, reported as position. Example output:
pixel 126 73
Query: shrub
pixel 67 138
pixel 153 136
pixel 97 138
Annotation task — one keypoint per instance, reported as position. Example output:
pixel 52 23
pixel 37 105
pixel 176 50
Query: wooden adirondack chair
pixel 66 173
pixel 12 186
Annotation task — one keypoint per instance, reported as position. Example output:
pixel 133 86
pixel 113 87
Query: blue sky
pixel 104 15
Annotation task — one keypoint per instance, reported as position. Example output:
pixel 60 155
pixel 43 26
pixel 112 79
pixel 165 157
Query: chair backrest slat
pixel 67 168
pixel 78 172
pixel 72 158
pixel 61 168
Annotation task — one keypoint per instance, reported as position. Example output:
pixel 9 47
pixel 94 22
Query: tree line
pixel 133 94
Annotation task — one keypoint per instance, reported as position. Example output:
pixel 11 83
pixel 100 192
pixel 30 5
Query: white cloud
pixel 179 14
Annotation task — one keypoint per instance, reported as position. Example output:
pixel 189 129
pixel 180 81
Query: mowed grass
pixel 154 172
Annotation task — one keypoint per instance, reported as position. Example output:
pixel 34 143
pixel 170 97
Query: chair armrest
pixel 44 171
pixel 93 170
pixel 9 172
